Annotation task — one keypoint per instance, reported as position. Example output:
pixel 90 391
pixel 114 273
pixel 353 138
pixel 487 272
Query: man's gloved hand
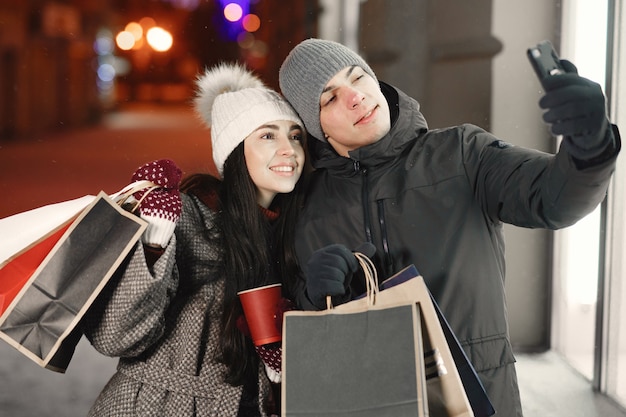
pixel 576 109
pixel 329 271
pixel 161 208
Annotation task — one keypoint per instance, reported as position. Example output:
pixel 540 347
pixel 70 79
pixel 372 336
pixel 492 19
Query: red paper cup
pixel 259 307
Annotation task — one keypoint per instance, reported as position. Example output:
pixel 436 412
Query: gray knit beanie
pixel 306 71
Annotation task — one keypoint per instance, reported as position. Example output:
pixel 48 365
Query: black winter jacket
pixel 438 199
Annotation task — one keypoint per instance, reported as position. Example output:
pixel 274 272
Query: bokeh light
pixel 103 45
pixel 159 39
pixel 251 22
pixel 147 23
pixel 134 28
pixel 233 12
pixel 245 40
pixel 106 72
pixel 259 49
pixel 125 40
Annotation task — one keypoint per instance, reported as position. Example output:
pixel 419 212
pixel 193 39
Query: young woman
pixel 173 315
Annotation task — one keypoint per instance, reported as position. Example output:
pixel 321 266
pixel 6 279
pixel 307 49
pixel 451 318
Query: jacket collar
pixel 407 123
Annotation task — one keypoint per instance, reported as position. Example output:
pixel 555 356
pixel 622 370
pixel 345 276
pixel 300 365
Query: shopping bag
pixel 474 389
pixel 28 237
pixel 15 272
pixel 41 319
pixel 26 240
pixel 350 362
pixel 446 395
pixel 21 230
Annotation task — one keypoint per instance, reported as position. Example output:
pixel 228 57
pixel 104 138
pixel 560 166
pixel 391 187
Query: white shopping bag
pixel 21 230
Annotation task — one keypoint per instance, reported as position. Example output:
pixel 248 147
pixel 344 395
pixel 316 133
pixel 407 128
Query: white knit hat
pixel 234 103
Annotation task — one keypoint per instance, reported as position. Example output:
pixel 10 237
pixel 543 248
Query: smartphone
pixel 545 60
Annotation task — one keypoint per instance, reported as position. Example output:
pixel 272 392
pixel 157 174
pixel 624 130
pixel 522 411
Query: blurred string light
pixel 147 22
pixel 125 40
pixel 159 39
pixel 240 25
pixel 132 37
pixel 106 73
pixel 239 22
pixel 251 22
pixel 106 65
pixel 233 12
pixel 238 18
pixel 134 29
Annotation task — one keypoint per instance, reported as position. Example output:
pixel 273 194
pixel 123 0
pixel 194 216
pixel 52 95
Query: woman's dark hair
pixel 253 255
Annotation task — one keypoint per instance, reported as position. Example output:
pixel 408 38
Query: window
pixel 590 324
pixel 613 364
pixel 577 248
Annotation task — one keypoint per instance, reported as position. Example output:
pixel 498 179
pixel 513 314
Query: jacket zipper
pixel 365 199
pixel 381 218
pixel 383 231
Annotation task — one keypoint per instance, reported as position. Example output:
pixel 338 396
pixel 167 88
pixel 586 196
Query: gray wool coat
pixel 163 324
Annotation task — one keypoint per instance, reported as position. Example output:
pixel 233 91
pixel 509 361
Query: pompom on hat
pixel 306 71
pixel 233 103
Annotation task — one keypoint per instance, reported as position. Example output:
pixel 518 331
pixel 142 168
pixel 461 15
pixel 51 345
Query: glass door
pixel 613 364
pixel 577 248
pixel 590 324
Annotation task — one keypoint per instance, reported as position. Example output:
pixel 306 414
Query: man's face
pixel 353 110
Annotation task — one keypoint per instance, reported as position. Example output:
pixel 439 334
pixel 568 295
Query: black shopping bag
pixel 349 361
pixel 41 321
pixel 474 389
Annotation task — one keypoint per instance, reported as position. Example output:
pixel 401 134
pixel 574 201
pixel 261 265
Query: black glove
pixel 329 272
pixel 576 109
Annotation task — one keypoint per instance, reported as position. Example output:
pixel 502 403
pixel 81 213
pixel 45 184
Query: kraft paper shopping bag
pixel 364 360
pixel 354 363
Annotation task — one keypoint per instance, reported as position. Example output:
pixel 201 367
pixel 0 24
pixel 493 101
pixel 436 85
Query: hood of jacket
pixel 407 123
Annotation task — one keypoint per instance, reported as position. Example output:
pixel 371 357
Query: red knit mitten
pixel 161 208
pixel 271 355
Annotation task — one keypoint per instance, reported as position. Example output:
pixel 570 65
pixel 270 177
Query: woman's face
pixel 275 158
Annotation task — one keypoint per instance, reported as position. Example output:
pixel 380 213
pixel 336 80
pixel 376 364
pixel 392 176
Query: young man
pixel 437 198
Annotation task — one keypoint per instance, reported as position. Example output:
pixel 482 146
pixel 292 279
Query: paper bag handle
pixel 371 277
pixel 371 280
pixel 127 192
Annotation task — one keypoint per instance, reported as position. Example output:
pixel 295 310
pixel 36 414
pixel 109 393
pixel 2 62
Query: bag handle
pixel 371 277
pixel 371 280
pixel 127 192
